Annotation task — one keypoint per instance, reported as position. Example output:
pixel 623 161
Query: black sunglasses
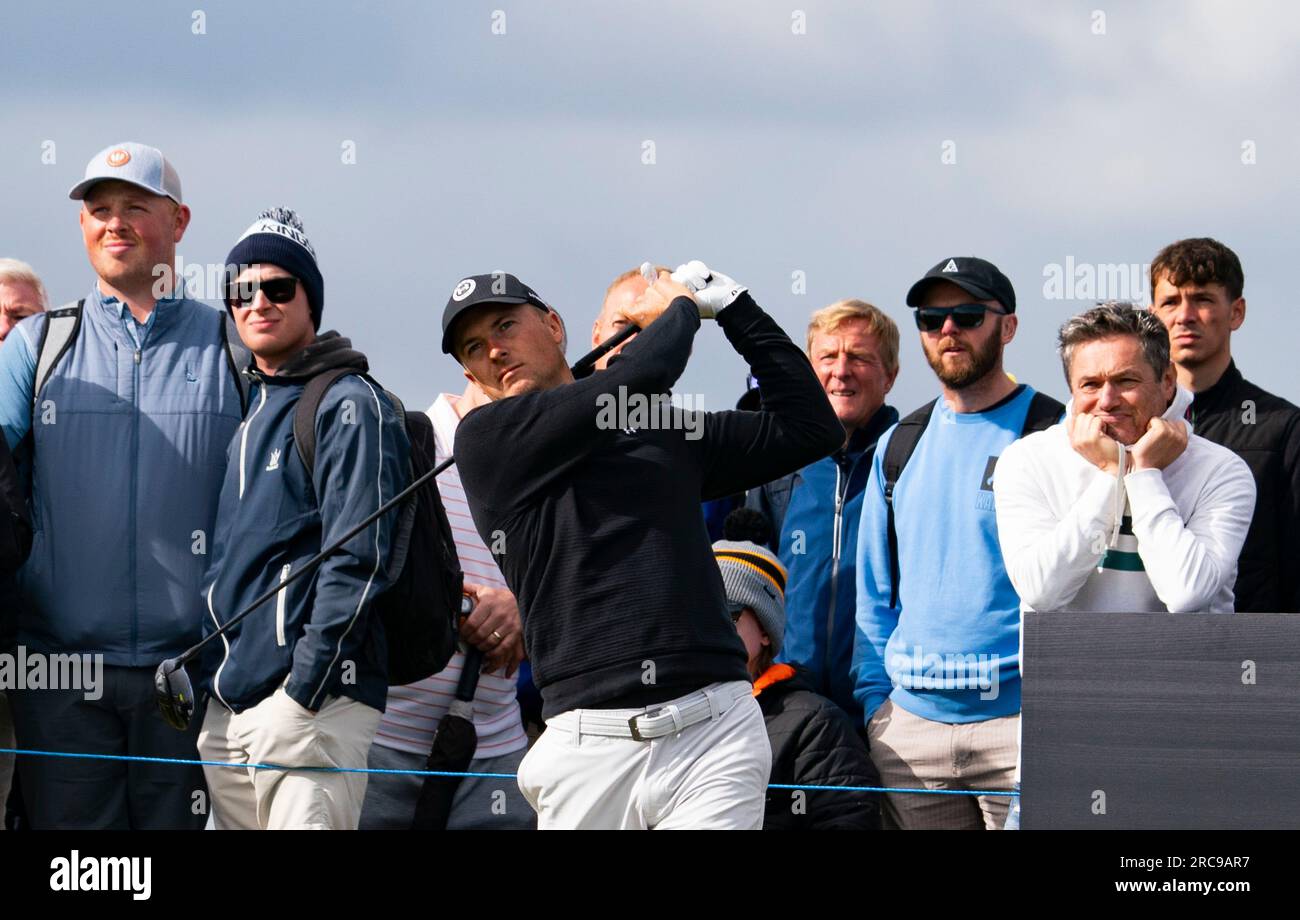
pixel 277 290
pixel 966 316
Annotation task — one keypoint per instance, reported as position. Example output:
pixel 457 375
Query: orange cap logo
pixel 118 157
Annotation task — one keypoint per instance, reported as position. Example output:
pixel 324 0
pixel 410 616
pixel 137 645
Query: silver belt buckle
pixel 631 723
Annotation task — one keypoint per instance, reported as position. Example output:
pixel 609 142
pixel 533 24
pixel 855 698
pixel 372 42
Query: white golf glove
pixel 713 291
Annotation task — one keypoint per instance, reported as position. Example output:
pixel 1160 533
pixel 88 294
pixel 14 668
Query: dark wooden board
pixel 1151 710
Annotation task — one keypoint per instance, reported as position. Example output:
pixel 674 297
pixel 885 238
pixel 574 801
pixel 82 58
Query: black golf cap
pixel 976 277
pixel 474 290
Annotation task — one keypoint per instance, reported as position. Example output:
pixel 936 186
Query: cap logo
pixel 951 266
pixel 463 290
pixel 118 157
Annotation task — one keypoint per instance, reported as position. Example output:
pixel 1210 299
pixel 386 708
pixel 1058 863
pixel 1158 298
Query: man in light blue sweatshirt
pixel 936 665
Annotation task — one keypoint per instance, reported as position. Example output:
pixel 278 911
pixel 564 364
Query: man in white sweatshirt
pixel 1121 507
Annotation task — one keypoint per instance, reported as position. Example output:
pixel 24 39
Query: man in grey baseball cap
pixel 137 404
pixel 136 164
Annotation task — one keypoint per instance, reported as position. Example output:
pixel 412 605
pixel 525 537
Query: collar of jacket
pixel 773 675
pixel 1221 392
pixel 162 315
pixel 330 350
pixel 870 433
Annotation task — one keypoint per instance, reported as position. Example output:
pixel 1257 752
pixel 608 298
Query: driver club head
pixel 174 693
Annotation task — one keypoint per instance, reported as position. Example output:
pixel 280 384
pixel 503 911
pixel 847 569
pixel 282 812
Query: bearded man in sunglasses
pixel 936 664
pixel 303 684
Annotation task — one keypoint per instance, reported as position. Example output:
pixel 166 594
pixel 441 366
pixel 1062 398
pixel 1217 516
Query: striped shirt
pixel 415 710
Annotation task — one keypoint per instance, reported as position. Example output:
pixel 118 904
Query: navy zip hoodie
pixel 317 632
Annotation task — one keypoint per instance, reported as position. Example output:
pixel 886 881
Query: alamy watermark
pixel 632 412
pixel 24 670
pixel 948 671
pixel 1097 281
pixel 197 280
pixel 103 873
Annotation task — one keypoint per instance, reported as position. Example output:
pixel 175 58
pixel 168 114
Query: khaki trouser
pixel 278 730
pixel 915 753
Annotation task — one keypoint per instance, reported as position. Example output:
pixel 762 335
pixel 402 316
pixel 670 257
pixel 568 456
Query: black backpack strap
pixel 902 444
pixel 304 414
pixel 1044 412
pixel 398 407
pixel 238 357
pixel 61 329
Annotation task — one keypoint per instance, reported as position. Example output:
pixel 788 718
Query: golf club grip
pixel 310 565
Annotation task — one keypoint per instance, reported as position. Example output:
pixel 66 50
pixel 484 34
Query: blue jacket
pixel 130 437
pixel 318 632
pixel 815 514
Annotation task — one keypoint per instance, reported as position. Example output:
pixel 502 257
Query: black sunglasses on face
pixel 277 290
pixel 966 316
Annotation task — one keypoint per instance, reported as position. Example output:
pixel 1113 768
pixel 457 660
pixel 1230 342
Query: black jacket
pixel 15 541
pixel 593 514
pixel 1264 430
pixel 813 742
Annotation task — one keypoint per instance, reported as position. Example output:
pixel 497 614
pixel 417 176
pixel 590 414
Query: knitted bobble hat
pixel 277 237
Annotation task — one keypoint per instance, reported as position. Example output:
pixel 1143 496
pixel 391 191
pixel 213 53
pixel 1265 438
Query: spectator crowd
pixel 698 624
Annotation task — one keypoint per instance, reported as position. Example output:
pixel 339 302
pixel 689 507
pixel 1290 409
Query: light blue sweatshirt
pixel 949 651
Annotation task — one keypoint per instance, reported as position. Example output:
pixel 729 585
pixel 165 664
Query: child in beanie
pixel 813 740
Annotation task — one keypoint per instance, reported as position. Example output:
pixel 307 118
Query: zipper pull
pixel 137 356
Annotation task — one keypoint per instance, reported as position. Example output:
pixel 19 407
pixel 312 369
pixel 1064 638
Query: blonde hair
pixel 830 318
pixel 12 270
pixel 628 276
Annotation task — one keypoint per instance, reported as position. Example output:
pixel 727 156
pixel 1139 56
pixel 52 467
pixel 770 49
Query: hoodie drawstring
pixel 1121 458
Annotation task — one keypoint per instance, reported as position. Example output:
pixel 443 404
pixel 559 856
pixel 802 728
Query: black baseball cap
pixel 976 277
pixel 473 290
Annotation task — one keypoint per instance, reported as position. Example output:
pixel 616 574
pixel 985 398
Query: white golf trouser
pixel 712 774
pixel 278 730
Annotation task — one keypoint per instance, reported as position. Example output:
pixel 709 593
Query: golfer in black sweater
pixel 588 495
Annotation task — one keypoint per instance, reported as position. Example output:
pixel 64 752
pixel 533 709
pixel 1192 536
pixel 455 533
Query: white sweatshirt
pixel 1068 547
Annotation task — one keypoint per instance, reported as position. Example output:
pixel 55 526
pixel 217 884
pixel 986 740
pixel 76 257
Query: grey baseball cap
pixel 138 164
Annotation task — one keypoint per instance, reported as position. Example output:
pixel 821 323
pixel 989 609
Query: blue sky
pixel 775 152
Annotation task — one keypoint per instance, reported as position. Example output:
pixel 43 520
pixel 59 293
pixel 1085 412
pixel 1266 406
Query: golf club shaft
pixel 586 360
